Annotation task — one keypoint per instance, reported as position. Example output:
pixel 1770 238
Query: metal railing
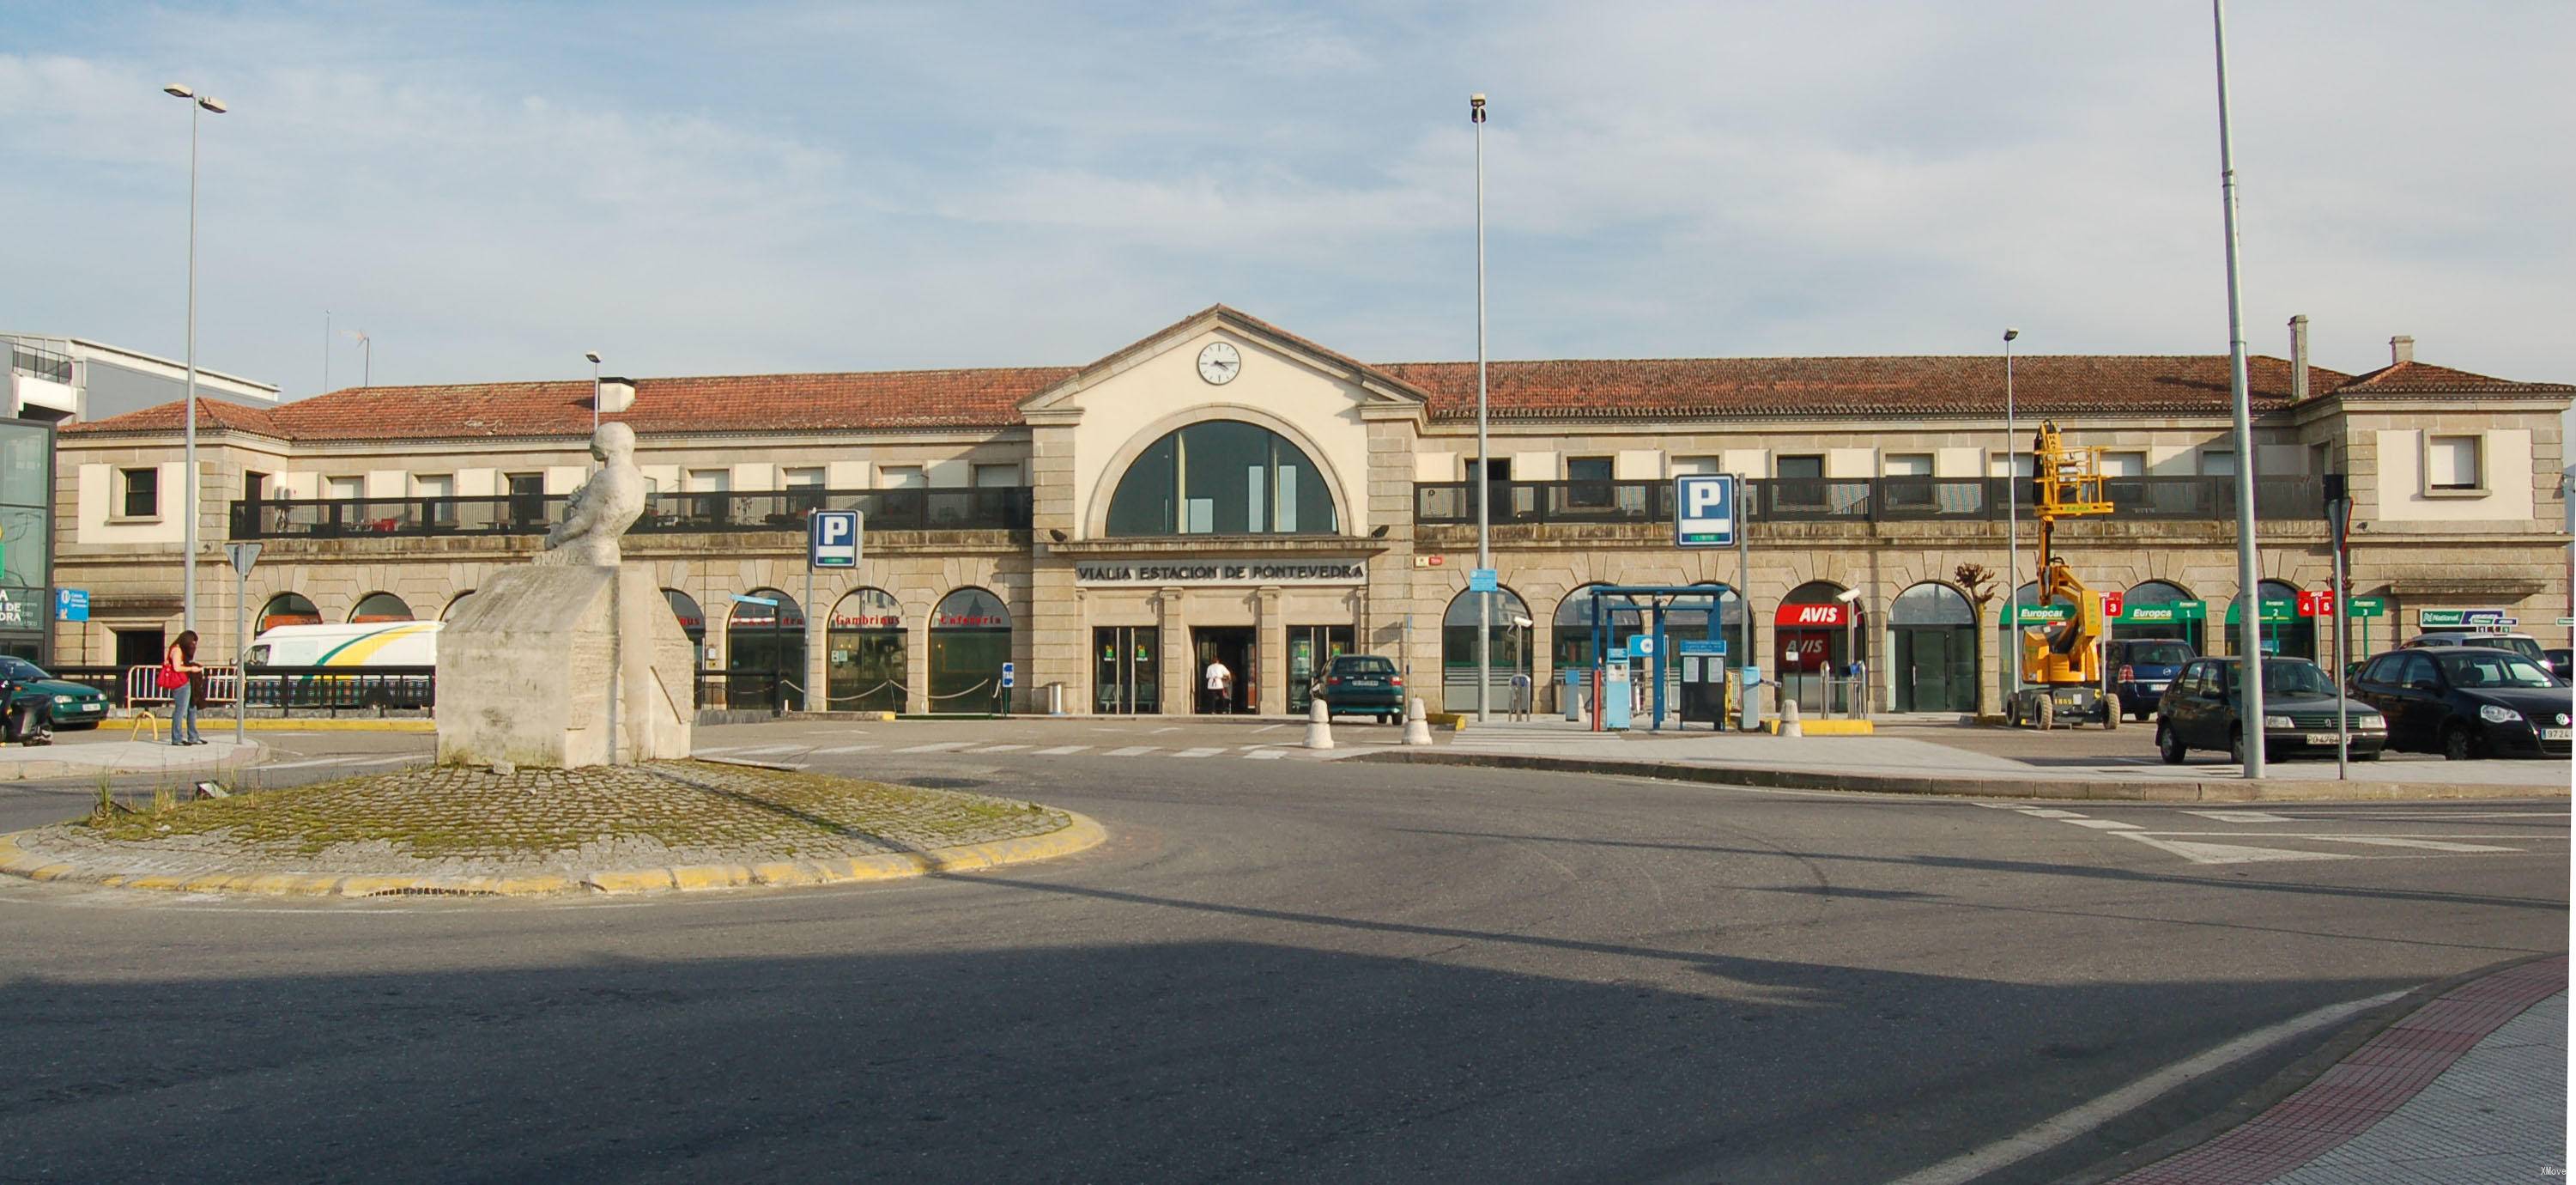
pixel 961 509
pixel 1857 499
pixel 279 689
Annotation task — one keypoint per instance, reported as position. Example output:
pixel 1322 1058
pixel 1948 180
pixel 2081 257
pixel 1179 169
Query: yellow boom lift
pixel 2061 661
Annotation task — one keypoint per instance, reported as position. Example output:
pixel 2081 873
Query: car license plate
pixel 2553 734
pixel 89 707
pixel 2321 738
pixel 2153 686
pixel 1368 682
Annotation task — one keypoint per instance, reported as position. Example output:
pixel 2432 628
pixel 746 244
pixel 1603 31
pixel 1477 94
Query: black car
pixel 1362 685
pixel 2140 668
pixel 2467 701
pixel 2561 662
pixel 2200 710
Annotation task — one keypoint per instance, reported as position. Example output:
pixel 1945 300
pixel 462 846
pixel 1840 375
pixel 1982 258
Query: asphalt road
pixel 1273 970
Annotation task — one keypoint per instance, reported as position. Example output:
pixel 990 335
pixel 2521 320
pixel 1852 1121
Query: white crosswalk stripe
pixel 1265 754
pixel 1060 751
pixel 759 750
pixel 935 747
pixel 998 749
pixel 1132 751
pixel 844 749
pixel 1206 752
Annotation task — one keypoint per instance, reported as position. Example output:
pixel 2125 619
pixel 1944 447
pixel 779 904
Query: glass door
pixel 1311 648
pixel 1127 673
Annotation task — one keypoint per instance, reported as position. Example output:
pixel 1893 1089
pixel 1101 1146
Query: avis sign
pixel 1704 510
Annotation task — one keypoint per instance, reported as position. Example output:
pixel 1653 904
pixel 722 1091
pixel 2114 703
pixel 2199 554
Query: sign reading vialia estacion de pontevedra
pixel 1196 571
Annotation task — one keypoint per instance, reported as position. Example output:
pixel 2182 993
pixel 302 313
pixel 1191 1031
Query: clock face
pixel 1219 363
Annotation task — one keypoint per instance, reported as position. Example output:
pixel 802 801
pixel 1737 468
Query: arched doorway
pixel 1816 636
pixel 1571 627
pixel 693 622
pixel 2285 633
pixel 970 639
pixel 1510 650
pixel 2163 610
pixel 1933 630
pixel 765 634
pixel 383 606
pixel 863 659
pixel 288 609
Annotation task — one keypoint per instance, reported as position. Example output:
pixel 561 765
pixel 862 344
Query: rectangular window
pixel 2452 463
pixel 1587 469
pixel 900 477
pixel 2021 464
pixel 436 494
pixel 142 493
pixel 527 498
pixel 1809 466
pixel 343 489
pixel 2124 464
pixel 1695 466
pixel 808 477
pixel 997 477
pixel 709 481
pixel 2216 462
pixel 1908 464
pixel 1587 481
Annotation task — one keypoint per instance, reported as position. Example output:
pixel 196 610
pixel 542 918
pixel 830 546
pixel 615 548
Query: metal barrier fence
pixel 279 689
pixel 985 508
pixel 1857 499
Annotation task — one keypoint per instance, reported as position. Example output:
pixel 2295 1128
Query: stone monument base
pixel 564 667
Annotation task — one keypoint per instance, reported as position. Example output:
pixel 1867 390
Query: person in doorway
pixel 1219 686
pixel 183 679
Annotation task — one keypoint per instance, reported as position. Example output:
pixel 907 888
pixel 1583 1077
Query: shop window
pixel 142 493
pixel 1222 477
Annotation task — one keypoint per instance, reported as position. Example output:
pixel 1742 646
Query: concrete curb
pixel 1081 834
pixel 2232 790
pixel 18 769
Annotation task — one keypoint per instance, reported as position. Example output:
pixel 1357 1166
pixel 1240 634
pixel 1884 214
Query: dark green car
pixel 73 705
pixel 1362 685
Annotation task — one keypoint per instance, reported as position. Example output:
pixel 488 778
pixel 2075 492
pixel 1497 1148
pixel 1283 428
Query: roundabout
pixel 485 832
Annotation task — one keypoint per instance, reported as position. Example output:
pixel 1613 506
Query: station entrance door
pixel 1126 670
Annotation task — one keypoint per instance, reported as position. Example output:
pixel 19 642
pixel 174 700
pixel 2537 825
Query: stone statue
pixel 602 508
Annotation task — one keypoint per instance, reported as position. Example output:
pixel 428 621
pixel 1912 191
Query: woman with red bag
pixel 180 676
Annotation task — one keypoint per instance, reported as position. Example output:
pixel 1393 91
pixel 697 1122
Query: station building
pixel 1224 489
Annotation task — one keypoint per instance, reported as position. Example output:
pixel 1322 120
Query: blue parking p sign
pixel 832 537
pixel 1704 510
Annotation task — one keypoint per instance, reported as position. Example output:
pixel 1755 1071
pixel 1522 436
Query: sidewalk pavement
pixel 87 759
pixel 2470 1088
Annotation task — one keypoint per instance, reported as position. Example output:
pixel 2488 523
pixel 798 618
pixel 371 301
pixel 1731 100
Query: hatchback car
pixel 2140 668
pixel 2468 701
pixel 2203 706
pixel 2522 644
pixel 1362 685
pixel 73 705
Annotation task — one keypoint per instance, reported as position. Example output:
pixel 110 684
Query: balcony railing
pixel 1857 499
pixel 995 508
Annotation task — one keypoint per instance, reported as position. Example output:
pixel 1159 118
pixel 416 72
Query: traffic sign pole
pixel 243 556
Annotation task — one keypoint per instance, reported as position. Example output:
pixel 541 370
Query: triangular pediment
pixel 1062 400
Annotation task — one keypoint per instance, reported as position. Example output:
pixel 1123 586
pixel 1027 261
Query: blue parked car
pixel 2138 670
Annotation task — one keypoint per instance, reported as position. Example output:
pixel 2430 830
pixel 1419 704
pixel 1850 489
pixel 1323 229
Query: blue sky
pixel 490 189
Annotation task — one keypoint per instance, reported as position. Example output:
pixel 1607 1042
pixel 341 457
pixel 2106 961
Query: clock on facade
pixel 1219 363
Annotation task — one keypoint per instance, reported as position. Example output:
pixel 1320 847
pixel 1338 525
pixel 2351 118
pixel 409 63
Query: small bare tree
pixel 1979 583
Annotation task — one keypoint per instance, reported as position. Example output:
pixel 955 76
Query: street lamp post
pixel 2249 592
pixel 2007 638
pixel 1484 458
pixel 188 570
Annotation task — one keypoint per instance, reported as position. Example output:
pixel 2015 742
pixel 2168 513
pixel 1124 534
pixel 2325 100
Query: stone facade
pixel 2501 546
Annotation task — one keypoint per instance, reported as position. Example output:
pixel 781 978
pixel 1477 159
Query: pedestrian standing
pixel 1219 686
pixel 184 680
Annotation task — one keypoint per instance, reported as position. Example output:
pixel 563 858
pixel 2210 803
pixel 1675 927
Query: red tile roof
pixel 1616 389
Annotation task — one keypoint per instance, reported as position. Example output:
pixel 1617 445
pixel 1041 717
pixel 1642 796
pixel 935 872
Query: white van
pixel 363 644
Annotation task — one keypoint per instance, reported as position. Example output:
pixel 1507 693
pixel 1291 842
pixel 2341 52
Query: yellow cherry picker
pixel 2061 660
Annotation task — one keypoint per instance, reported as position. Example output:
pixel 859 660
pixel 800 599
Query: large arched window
pixel 863 668
pixel 2160 609
pixel 1222 477
pixel 1933 631
pixel 970 639
pixel 1509 651
pixel 288 609
pixel 381 606
pixel 765 636
pixel 693 622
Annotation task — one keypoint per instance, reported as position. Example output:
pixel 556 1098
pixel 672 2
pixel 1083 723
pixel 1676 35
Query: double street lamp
pixel 188 571
pixel 2009 635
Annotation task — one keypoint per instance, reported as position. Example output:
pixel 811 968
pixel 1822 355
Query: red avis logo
pixel 1817 615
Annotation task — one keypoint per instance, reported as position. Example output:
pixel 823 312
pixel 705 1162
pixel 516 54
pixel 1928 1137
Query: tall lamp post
pixel 2249 593
pixel 188 571
pixel 2008 644
pixel 1484 458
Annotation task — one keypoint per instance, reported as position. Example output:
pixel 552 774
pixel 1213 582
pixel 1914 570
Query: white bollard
pixel 1319 727
pixel 1789 726
pixel 1417 728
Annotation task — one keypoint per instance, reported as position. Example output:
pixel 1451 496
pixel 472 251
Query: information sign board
pixel 1704 510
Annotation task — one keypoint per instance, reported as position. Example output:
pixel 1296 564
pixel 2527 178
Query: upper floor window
pixel 1809 466
pixel 142 493
pixel 1222 477
pixel 2452 463
pixel 1587 469
pixel 2217 463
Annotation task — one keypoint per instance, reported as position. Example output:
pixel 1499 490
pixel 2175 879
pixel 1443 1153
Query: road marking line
pixel 1199 752
pixel 2227 853
pixel 712 752
pixel 762 749
pixel 1059 750
pixel 1268 727
pixel 843 749
pixel 2392 841
pixel 2075 1121
pixel 2241 816
pixel 1265 754
pixel 2436 816
pixel 998 749
pixel 1167 728
pixel 2042 812
pixel 936 747
pixel 1130 751
pixel 2104 824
